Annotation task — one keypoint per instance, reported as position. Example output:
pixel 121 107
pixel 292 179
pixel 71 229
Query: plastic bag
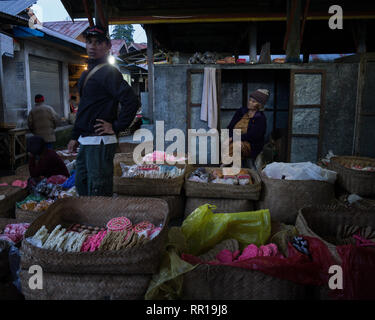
pixel 70 182
pixel 203 229
pixel 167 284
pixel 299 171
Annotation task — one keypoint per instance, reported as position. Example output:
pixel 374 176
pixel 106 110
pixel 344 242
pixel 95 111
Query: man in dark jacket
pixel 98 121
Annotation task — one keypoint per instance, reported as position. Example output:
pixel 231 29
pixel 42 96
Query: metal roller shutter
pixel 45 79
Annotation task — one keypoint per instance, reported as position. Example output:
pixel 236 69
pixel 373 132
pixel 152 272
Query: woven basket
pixel 322 223
pixel 222 205
pixel 176 205
pixel 285 197
pixel 12 195
pixel 217 190
pixel 354 181
pixel 97 211
pixel 60 286
pixel 207 282
pixel 5 221
pixel 144 186
pixel 27 216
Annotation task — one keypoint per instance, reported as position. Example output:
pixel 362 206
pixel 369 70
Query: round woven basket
pixel 322 222
pixel 97 211
pixel 217 190
pixel 66 286
pixel 354 181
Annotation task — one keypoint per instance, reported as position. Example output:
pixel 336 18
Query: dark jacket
pixel 100 98
pixel 50 164
pixel 255 131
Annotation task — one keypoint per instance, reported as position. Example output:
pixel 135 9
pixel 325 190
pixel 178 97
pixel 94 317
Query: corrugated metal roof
pixel 15 6
pixel 68 28
pixel 138 46
pixel 117 45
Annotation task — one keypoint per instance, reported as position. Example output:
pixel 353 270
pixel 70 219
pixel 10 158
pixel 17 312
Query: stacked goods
pixel 228 193
pixel 211 182
pixel 44 194
pixel 148 179
pixel 355 174
pixel 286 188
pixel 96 238
pixel 11 234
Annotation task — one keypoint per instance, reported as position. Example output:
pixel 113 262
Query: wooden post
pixel 292 41
pixel 2 95
pixel 253 42
pixel 150 66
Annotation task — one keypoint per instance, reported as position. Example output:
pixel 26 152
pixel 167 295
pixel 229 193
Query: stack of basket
pixel 227 198
pixel 166 189
pixel 121 274
pixel 352 180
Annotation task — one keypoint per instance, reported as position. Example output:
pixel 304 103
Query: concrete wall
pixel 17 94
pixel 338 119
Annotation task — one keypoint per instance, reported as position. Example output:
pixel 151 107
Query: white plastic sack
pixel 299 171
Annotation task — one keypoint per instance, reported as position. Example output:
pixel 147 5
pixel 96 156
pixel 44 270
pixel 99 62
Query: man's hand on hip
pixel 72 146
pixel 103 127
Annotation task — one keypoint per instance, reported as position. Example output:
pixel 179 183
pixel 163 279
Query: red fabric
pixel 59 179
pixel 358 264
pixel 50 164
pixel 297 267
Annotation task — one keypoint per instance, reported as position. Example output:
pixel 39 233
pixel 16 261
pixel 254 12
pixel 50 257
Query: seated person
pixel 44 162
pixel 252 123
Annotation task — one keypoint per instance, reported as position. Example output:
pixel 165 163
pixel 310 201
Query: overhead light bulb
pixel 111 59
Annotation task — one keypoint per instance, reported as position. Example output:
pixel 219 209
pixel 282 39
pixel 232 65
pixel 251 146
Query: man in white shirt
pixel 98 121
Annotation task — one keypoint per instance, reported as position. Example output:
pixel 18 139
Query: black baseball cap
pixel 98 32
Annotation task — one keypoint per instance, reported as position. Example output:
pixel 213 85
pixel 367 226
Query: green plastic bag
pixel 167 284
pixel 203 229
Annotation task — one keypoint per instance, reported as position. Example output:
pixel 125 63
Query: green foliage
pixel 123 31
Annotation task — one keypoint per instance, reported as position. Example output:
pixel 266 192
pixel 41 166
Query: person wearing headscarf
pixel 252 123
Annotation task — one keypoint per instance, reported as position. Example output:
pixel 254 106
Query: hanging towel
pixel 209 98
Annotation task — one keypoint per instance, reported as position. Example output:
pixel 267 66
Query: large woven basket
pixel 26 215
pixel 222 205
pixel 144 186
pixel 223 191
pixel 60 286
pixel 322 223
pixel 285 197
pixel 97 211
pixel 12 195
pixel 354 181
pixel 207 282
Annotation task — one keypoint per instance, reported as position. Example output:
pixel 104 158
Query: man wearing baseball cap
pixel 98 120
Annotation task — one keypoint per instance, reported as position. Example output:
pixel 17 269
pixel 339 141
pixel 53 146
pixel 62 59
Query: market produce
pixel 205 175
pixel 153 171
pixel 119 234
pixel 14 232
